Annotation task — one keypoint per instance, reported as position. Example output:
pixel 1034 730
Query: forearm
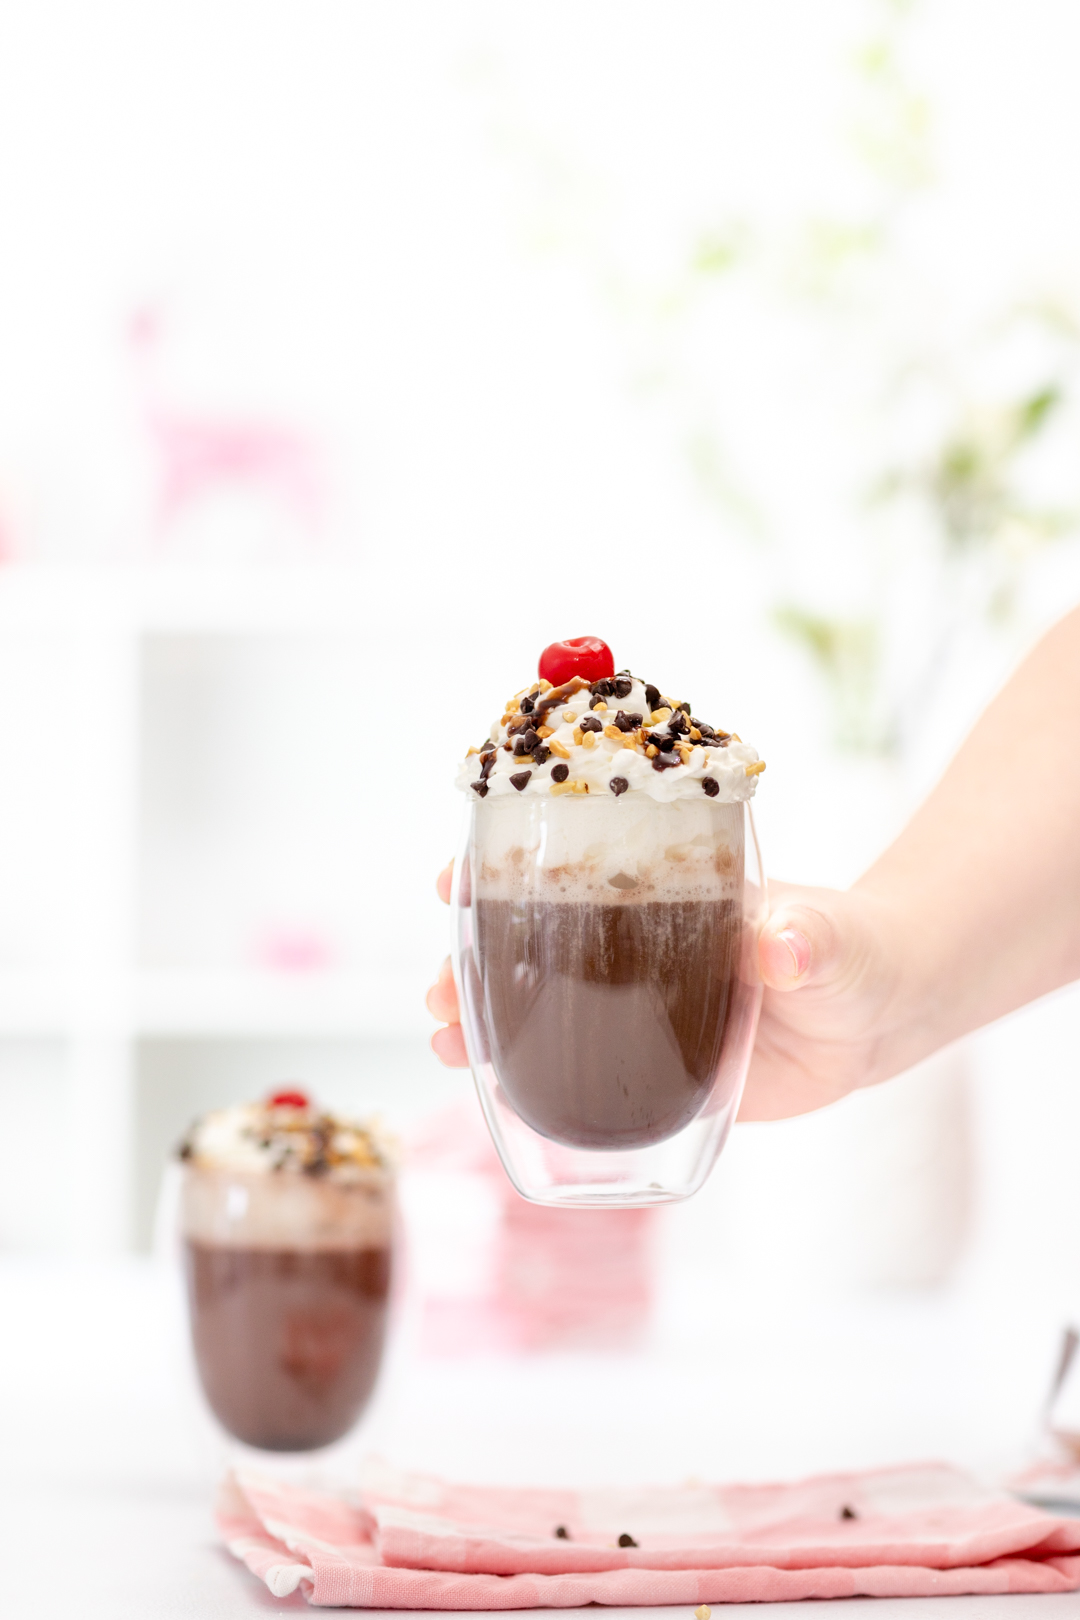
pixel 984 882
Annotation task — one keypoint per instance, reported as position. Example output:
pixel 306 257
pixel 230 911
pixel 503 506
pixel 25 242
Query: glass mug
pixel 288 1283
pixel 606 967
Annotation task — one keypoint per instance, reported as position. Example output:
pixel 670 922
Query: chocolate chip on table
pixel 589 722
pixel 623 686
pixel 710 785
pixel 618 784
pixel 848 1512
pixel 479 787
pixel 559 773
pixel 652 696
pixel 627 1541
pixel 520 780
pixel 561 1533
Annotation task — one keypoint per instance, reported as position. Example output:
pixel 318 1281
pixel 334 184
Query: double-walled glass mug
pixel 606 967
pixel 288 1282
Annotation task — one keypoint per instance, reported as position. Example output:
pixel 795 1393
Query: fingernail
pixel 799 946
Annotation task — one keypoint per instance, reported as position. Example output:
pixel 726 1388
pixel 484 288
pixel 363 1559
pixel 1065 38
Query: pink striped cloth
pixel 410 1542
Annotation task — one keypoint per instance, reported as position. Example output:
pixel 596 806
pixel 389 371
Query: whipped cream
pixel 610 737
pixel 261 1139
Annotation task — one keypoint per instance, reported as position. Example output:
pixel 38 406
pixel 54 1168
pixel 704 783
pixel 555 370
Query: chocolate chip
pixel 519 746
pixel 665 744
pixel 602 689
pixel 480 788
pixel 521 722
pixel 627 1541
pixel 595 702
pixel 591 723
pixel 652 697
pixel 559 773
pixel 618 784
pixel 678 723
pixel 540 754
pixel 520 780
pixel 710 785
pixel 848 1512
pixel 623 686
pixel 527 705
pixel 561 1533
pixel 487 767
pixel 628 722
pixel 666 762
pixel 531 740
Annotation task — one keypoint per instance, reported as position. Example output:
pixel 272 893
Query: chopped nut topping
pixel 569 716
pixel 560 787
pixel 580 787
pixel 658 716
pixel 559 748
pixel 652 751
pixel 615 734
pixel 578 734
pixel 544 731
pixel 695 733
pixel 703 1612
pixel 588 739
pixel 755 769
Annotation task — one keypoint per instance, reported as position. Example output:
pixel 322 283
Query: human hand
pixel 830 1020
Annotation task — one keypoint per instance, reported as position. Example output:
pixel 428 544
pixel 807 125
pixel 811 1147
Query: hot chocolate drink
pixel 606 1021
pixel 287 1341
pixel 287 1218
pixel 608 888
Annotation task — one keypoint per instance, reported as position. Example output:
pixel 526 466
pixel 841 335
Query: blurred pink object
pixel 410 1542
pixel 200 453
pixel 558 1278
pixel 295 950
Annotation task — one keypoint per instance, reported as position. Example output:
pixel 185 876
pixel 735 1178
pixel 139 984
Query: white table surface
pixel 108 1465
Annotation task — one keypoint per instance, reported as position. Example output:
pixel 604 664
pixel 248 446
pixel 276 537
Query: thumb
pixel 808 944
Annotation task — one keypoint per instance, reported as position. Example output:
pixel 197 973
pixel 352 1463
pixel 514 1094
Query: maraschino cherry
pixel 289 1099
pixel 586 656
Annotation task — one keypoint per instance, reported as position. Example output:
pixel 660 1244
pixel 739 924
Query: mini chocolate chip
pixel 678 723
pixel 541 753
pixel 487 767
pixel 527 705
pixel 618 784
pixel 520 780
pixel 559 773
pixel 520 722
pixel 628 722
pixel 665 744
pixel 652 697
pixel 519 746
pixel 848 1512
pixel 623 686
pixel 480 788
pixel 710 785
pixel 594 702
pixel 627 1541
pixel 666 762
pixel 591 723
pixel 602 689
pixel 531 740
pixel 561 1533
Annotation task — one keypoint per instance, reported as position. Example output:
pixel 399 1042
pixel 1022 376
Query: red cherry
pixel 289 1099
pixel 586 656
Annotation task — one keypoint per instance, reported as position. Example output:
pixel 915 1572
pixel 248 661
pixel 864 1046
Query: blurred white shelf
pixel 176 599
pixel 193 1004
pixel 324 1004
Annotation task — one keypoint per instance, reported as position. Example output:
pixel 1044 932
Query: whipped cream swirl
pixel 617 735
pixel 263 1138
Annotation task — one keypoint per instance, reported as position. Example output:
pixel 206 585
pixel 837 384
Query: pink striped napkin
pixel 410 1542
